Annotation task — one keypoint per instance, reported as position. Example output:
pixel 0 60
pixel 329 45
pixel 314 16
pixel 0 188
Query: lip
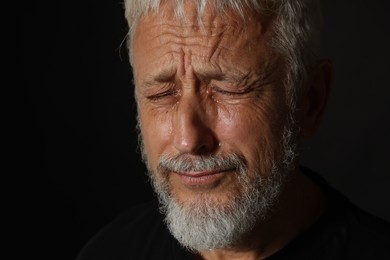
pixel 200 179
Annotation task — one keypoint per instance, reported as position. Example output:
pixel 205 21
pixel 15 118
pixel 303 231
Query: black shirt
pixel 344 231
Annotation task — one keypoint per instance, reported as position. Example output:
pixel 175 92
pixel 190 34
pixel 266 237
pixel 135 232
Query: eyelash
pixel 214 88
pixel 230 93
pixel 171 92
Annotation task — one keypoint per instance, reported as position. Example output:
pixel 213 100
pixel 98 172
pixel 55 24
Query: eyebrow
pixel 167 74
pixel 164 75
pixel 232 77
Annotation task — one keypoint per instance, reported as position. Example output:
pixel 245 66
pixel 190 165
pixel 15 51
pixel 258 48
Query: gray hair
pixel 296 30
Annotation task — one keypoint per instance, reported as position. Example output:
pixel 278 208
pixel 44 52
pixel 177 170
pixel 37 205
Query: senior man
pixel 225 91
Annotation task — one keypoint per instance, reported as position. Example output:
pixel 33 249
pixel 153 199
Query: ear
pixel 314 97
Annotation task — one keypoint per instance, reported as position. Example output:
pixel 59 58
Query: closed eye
pixel 230 92
pixel 164 94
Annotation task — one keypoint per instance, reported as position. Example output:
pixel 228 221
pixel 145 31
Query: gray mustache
pixel 188 163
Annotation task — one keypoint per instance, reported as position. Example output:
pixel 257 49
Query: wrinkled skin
pixel 209 89
pixel 216 88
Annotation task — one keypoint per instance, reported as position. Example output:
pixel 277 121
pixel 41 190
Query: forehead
pixel 213 39
pixel 192 13
pixel 192 22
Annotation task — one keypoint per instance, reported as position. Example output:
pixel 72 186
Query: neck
pixel 300 205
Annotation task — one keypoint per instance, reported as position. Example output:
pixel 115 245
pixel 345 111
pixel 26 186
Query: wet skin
pixel 216 88
pixel 210 89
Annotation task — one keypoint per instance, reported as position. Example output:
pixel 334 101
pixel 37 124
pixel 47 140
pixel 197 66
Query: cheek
pixel 254 130
pixel 156 129
pixel 241 126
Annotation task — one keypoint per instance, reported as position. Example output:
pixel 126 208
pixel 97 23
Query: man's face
pixel 213 120
pixel 210 89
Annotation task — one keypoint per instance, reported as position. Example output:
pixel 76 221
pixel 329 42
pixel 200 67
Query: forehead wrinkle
pixel 213 30
pixel 186 37
pixel 203 50
pixel 211 20
pixel 209 42
pixel 188 32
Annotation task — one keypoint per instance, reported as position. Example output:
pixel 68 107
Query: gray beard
pixel 204 223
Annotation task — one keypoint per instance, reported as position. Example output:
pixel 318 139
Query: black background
pixel 78 158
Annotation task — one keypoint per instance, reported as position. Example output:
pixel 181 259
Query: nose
pixel 192 132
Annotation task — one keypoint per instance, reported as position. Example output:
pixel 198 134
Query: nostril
pixel 194 138
pixel 207 144
pixel 204 149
